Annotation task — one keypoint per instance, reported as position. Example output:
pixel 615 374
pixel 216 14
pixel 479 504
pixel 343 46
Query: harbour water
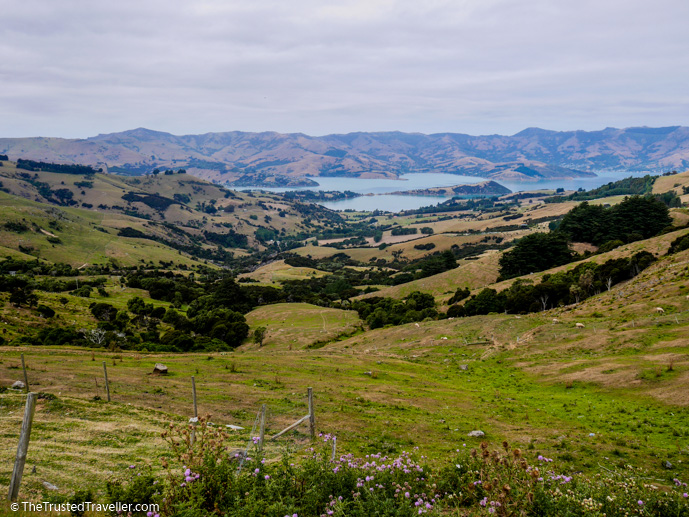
pixel 374 190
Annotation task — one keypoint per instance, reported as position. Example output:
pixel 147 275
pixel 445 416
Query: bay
pixel 376 191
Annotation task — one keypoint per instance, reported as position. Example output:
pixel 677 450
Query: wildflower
pixel 257 471
pixel 685 494
pixel 406 494
pixel 483 501
pixel 640 502
pixel 267 477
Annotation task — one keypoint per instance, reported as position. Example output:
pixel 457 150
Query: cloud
pixel 77 68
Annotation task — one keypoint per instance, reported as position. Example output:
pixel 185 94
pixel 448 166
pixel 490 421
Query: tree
pixel 485 302
pixel 95 336
pixel 635 218
pixel 23 296
pixel 535 252
pixel 45 311
pixel 259 335
pixel 103 311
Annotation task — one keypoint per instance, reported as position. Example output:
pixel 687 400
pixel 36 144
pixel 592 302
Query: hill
pixel 597 385
pixel 274 159
pixel 96 217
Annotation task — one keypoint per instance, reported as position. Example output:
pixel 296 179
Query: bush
pixel 45 311
pixel 207 478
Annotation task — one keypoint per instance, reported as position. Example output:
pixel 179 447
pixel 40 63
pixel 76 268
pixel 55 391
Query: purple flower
pixel 640 502
pixel 267 476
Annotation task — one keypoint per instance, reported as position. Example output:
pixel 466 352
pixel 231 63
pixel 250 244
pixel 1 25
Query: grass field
pixel 276 272
pixel 296 325
pixel 608 395
pixel 611 394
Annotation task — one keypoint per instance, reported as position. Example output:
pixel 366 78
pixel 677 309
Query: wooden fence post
pixel 26 378
pixel 107 384
pixel 263 428
pixel 196 409
pixel 193 394
pixel 312 417
pixel 23 447
pixel 334 448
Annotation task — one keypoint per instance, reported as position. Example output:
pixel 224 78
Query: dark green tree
pixel 535 252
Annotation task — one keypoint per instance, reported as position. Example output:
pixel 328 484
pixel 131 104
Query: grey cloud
pixel 75 68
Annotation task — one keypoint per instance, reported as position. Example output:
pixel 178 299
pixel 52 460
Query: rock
pixel 368 373
pixel 463 366
pixel 18 385
pixel 49 486
pixel 667 465
pixel 160 369
pixel 234 427
pixel 237 454
pixel 476 434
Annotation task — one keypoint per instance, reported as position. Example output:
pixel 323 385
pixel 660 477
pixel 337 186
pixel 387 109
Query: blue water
pixel 394 203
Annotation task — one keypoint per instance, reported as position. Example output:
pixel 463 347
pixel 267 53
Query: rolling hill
pixel 275 159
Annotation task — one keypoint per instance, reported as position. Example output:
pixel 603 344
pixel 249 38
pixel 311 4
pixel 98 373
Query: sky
pixel 78 68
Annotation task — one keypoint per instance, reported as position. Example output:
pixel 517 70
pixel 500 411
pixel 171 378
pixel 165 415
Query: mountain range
pixel 275 159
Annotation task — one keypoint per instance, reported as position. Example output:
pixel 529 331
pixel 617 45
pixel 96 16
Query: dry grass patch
pixel 278 271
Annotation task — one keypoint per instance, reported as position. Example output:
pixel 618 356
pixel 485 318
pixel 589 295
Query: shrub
pixel 205 477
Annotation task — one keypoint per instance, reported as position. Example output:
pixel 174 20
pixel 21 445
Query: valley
pixel 413 328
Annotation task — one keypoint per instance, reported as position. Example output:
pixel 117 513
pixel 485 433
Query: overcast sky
pixel 76 68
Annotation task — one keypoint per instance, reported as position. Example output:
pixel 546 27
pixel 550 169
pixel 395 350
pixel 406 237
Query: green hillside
pixel 394 336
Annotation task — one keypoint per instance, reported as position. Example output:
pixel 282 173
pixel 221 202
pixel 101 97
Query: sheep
pixel 555 320
pixel 579 325
pixel 660 310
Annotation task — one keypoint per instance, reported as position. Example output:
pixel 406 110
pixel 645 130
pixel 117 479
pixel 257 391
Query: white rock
pixel 18 385
pixel 476 434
